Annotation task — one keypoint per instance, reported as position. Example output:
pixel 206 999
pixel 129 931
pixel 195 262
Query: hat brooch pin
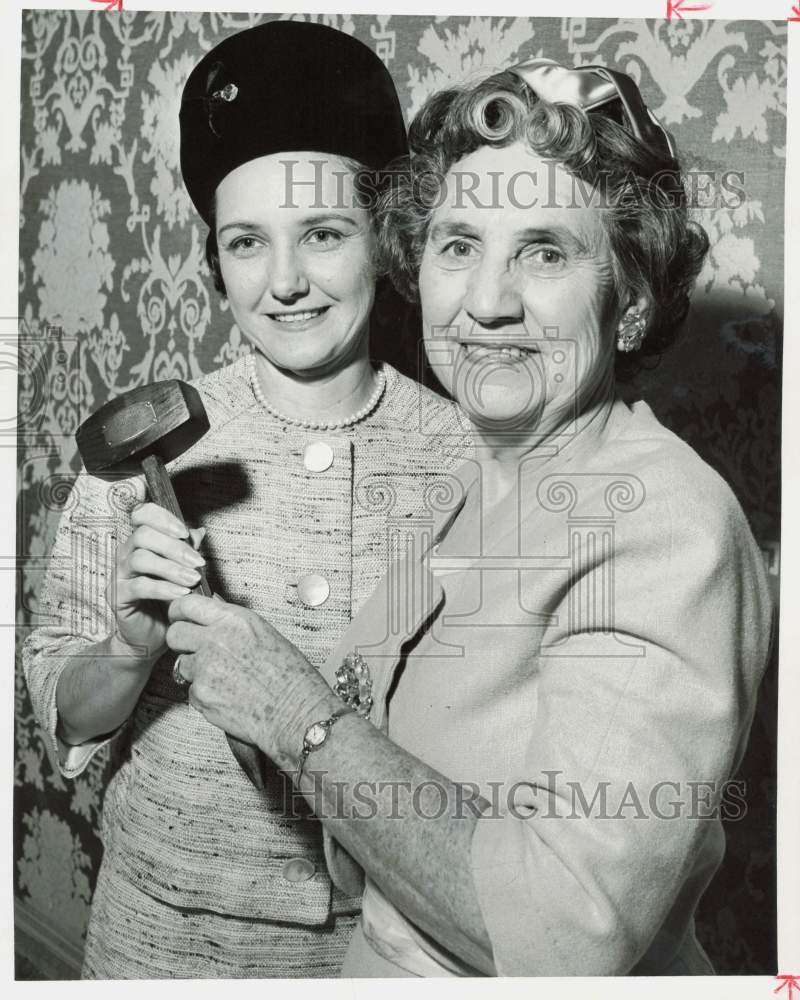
pixel 214 100
pixel 228 93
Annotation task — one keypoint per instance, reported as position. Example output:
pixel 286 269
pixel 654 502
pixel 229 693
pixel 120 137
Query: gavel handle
pixel 159 485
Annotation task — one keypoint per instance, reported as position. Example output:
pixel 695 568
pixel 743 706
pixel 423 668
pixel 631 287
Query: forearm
pixel 379 801
pixel 98 689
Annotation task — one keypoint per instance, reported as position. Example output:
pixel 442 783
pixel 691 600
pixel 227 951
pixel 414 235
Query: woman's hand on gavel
pixel 155 565
pixel 246 677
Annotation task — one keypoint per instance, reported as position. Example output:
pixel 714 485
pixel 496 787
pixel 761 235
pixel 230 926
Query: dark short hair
pixel 656 249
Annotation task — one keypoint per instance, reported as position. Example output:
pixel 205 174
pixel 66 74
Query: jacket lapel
pixel 407 598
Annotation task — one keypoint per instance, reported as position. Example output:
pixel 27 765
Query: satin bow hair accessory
pixel 592 87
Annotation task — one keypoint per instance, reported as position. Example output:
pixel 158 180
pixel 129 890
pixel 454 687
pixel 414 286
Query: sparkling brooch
pixel 354 684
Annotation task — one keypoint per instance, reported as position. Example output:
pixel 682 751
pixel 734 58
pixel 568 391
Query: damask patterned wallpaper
pixel 114 293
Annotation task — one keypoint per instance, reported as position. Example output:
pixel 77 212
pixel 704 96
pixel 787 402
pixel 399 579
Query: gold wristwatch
pixel 316 735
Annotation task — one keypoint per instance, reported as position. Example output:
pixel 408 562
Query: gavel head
pixel 162 419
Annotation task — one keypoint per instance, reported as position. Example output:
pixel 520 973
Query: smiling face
pixel 295 253
pixel 517 291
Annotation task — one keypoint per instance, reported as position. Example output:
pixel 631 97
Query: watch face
pixel 315 735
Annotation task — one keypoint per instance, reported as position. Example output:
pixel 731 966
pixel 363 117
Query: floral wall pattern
pixel 114 292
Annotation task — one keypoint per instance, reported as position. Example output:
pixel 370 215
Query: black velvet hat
pixel 284 86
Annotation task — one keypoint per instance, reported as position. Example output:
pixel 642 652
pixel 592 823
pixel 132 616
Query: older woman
pixel 204 875
pixel 568 670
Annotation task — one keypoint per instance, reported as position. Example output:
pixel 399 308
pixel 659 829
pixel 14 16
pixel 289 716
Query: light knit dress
pixel 200 874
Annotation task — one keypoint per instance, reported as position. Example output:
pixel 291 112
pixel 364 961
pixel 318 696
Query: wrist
pixel 305 705
pixel 316 736
pixel 127 656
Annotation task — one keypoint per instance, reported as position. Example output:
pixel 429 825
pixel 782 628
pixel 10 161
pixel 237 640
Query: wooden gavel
pixel 140 431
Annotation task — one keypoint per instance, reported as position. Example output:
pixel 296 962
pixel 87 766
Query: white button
pixel 313 590
pixel 318 456
pixel 299 870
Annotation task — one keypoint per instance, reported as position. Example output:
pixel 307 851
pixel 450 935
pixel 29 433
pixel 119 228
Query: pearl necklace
pixel 322 425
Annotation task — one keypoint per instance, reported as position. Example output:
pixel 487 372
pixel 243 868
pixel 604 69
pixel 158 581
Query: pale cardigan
pixel 180 820
pixel 606 625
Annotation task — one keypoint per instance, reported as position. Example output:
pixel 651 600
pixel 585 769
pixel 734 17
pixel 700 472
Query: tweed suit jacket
pixel 586 654
pixel 180 819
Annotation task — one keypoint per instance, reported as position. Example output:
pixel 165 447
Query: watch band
pixel 316 735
